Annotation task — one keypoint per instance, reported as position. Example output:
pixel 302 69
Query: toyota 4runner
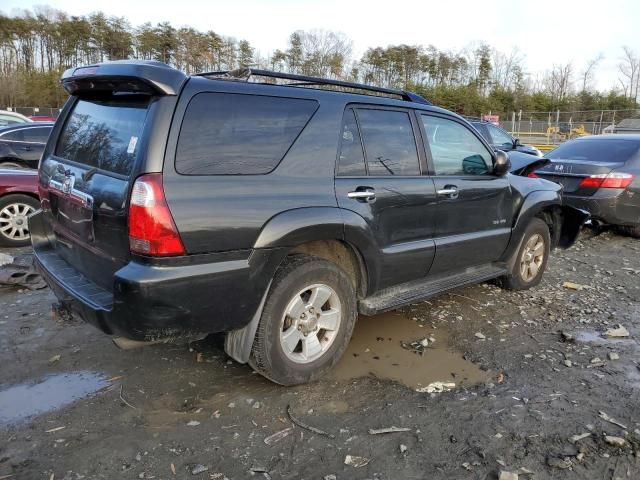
pixel 273 207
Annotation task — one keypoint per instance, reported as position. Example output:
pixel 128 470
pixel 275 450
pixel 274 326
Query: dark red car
pixel 18 200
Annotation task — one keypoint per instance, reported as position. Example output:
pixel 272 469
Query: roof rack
pixel 306 81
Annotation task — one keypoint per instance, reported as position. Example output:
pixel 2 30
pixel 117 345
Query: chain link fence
pixel 552 128
pixel 35 111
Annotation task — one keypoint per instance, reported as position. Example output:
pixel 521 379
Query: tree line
pixel 36 46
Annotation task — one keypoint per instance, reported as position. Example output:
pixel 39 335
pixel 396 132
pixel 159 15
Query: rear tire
pixel 14 209
pixel 531 259
pixel 633 232
pixel 306 323
pixel 11 165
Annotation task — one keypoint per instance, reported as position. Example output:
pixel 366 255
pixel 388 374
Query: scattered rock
pixel 568 363
pixel 617 332
pixel 615 441
pixel 507 475
pixel 613 356
pixel 567 337
pixel 437 387
pixel 193 423
pixel 595 360
pixel 198 469
pixel 356 462
pixel 330 477
pixel 54 359
pixel 257 405
pixel 480 336
pixel 403 449
pixel 609 419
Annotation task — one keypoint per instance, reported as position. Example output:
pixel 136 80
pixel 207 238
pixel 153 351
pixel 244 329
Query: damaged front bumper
pixel 572 219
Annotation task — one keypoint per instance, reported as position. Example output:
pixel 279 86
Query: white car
pixel 11 118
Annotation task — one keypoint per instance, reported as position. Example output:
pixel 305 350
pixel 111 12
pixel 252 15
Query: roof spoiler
pixel 126 76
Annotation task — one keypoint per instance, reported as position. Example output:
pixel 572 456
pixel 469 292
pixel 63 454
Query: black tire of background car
pixel 8 200
pixel 633 232
pixel 267 357
pixel 11 165
pixel 514 280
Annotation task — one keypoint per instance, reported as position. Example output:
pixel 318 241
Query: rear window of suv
pixel 104 134
pixel 231 134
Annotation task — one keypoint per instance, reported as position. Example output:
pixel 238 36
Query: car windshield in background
pixel 104 134
pixel 599 151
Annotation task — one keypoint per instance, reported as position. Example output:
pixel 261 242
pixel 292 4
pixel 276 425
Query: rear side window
pixel 37 134
pixel 389 142
pixel 601 151
pixel 231 134
pixel 351 160
pixel 13 135
pixel 104 133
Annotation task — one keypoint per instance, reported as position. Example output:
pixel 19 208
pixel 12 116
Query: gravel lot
pixel 531 370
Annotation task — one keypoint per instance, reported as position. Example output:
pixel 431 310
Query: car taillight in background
pixel 152 230
pixel 607 180
pixel 532 175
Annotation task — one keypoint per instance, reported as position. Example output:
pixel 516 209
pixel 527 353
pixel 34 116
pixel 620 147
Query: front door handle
pixel 450 191
pixel 366 194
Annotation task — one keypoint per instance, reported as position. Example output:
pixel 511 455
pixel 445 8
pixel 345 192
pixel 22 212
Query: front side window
pixel 500 137
pixel 351 161
pixel 104 134
pixel 455 150
pixel 389 142
pixel 234 134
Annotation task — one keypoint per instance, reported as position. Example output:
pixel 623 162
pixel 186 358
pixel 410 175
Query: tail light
pixel 532 175
pixel 607 180
pixel 152 230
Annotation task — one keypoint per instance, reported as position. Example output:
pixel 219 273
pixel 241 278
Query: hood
pixel 524 163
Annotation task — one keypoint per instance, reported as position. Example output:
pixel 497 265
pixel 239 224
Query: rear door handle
pixel 450 191
pixel 363 195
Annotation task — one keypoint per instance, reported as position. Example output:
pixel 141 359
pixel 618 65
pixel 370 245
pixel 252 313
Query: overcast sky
pixel 545 31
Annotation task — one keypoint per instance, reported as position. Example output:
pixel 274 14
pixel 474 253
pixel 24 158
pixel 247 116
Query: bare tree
pixel 589 70
pixel 629 68
pixel 559 81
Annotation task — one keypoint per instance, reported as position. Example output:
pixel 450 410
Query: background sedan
pixel 600 174
pixel 22 145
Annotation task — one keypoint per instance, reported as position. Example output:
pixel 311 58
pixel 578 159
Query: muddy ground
pixel 73 406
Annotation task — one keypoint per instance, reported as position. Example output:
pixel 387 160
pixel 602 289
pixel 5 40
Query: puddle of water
pixel 382 335
pixel 55 391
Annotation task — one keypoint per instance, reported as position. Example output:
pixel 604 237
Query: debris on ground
pixel 276 437
pixel 615 441
pixel 54 359
pixel 437 387
pixel 388 430
pixel 613 356
pixel 305 426
pixel 417 346
pixel 356 462
pixel 617 332
pixel 507 475
pixel 609 419
pixel 193 423
pixel 480 336
pixel 403 449
pixel 577 438
pixel 21 272
pixel 559 463
pixel 573 286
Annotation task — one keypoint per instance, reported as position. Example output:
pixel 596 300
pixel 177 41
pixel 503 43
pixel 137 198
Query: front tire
pixel 14 210
pixel 531 259
pixel 306 323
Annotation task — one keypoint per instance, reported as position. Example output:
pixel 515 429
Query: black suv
pixel 500 139
pixel 175 206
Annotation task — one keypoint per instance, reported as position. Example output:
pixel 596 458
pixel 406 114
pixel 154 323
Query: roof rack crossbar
pixel 304 80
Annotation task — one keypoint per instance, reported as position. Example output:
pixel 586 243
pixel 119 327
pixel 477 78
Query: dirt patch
pixel 376 349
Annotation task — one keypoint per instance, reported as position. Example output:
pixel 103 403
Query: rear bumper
pixel 160 301
pixel 612 206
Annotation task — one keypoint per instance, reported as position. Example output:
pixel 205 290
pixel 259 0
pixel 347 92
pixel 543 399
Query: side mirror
pixel 516 142
pixel 501 164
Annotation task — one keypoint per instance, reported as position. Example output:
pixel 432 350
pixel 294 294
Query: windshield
pixel 104 134
pixel 604 150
